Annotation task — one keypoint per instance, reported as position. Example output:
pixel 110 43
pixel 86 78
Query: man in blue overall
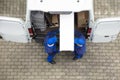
pixel 50 45
pixel 79 45
pixel 51 41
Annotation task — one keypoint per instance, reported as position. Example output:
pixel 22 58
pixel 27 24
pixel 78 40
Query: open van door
pixel 13 29
pixel 105 30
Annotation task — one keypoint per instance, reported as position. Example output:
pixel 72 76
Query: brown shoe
pixel 52 62
pixel 74 58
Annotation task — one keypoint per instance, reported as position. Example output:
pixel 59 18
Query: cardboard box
pixel 82 18
pixel 55 20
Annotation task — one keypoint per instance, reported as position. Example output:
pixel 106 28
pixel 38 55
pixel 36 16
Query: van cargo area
pixel 82 22
pixel 42 22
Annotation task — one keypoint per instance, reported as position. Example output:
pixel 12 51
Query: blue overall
pixel 50 44
pixel 79 45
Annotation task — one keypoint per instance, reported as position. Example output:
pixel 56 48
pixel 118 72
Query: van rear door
pixel 13 29
pixel 105 30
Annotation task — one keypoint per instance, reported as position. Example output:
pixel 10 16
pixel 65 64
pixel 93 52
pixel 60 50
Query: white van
pixel 43 15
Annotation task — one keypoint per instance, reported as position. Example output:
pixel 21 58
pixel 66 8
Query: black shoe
pixel 74 58
pixel 52 62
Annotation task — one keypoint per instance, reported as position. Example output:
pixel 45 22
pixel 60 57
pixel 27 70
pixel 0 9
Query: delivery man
pixel 79 45
pixel 50 44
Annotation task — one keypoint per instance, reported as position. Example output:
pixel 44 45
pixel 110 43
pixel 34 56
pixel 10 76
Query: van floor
pixel 41 35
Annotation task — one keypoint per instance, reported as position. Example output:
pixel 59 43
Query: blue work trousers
pixel 50 57
pixel 79 51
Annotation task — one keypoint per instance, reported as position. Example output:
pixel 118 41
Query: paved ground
pixel 27 61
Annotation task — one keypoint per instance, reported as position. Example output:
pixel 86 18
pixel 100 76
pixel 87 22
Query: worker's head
pixel 79 41
pixel 52 40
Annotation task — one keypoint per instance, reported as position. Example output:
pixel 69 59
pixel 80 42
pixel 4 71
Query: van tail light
pixel 31 32
pixel 89 32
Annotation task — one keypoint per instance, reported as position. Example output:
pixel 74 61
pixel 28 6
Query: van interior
pixel 43 22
